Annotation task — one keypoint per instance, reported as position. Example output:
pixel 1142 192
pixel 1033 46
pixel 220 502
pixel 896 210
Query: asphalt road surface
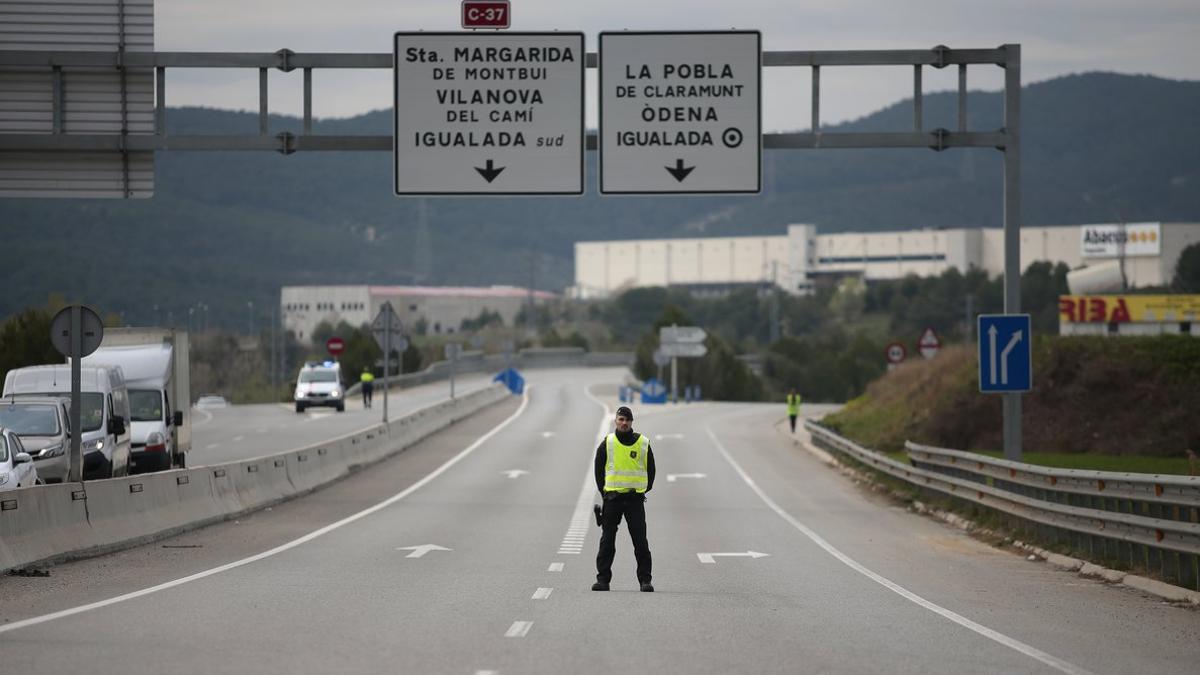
pixel 240 432
pixel 473 552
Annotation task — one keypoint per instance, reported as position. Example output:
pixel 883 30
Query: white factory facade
pixel 441 309
pixel 799 260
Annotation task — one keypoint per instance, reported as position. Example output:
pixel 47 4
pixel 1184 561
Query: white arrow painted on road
pixel 514 473
pixel 659 437
pixel 992 353
pixel 711 557
pixel 672 476
pixel 1004 356
pixel 418 551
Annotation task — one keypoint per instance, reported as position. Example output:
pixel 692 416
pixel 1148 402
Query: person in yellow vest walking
pixel 793 404
pixel 624 468
pixel 368 386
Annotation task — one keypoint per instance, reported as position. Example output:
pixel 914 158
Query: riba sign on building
pixel 489 114
pixel 680 112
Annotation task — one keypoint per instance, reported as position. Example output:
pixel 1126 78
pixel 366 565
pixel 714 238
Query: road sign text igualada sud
pixel 509 103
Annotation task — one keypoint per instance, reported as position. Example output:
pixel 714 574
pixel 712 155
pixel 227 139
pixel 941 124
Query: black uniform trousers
pixel 631 506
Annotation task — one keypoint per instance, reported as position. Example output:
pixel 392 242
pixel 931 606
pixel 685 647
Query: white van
pixel 104 411
pixel 320 383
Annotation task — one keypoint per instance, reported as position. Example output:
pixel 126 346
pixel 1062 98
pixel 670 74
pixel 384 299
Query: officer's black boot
pixel 647 587
pixel 599 586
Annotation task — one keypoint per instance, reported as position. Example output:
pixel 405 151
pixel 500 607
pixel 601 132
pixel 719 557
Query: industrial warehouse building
pixel 1146 253
pixel 441 308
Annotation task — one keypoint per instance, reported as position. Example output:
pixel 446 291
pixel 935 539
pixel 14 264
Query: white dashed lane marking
pixel 542 593
pixel 555 567
pixel 519 629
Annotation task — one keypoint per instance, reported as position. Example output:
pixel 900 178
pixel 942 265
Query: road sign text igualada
pixel 489 113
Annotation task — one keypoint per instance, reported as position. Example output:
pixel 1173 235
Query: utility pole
pixel 1011 406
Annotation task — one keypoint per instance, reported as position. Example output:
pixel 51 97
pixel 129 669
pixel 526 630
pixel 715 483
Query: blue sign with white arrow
pixel 654 391
pixel 1005 353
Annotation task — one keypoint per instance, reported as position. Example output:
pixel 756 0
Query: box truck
pixel 155 364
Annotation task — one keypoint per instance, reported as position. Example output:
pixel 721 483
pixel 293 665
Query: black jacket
pixel 602 459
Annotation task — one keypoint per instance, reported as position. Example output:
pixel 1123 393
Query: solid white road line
pixel 519 629
pixel 1012 643
pixel 33 621
pixel 581 517
pixel 555 567
pixel 542 593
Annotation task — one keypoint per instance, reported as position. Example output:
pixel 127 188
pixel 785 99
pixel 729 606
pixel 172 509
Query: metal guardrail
pixel 1144 519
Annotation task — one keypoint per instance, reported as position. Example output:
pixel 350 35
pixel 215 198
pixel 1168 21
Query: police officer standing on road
pixel 368 386
pixel 793 404
pixel 624 474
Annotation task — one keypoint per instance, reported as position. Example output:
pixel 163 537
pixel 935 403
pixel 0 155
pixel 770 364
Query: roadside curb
pixel 1168 592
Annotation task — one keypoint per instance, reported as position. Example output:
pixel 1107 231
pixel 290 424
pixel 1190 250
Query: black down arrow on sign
pixel 679 171
pixel 490 172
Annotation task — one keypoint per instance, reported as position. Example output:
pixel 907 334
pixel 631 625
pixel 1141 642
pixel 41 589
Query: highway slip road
pixel 246 431
pixel 473 552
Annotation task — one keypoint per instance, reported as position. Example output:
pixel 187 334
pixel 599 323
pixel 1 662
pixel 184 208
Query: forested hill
pixel 224 228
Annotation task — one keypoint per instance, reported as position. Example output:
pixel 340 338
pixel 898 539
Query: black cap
pixel 624 411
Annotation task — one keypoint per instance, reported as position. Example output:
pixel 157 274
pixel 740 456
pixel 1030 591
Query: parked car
pixel 209 401
pixel 16 466
pixel 43 425
pixel 104 411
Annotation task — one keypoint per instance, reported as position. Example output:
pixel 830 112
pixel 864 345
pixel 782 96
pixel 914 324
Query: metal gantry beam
pixel 285 60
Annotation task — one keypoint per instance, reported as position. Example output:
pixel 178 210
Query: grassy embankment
pixel 1111 404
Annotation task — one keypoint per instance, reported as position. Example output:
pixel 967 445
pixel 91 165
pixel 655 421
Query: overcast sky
pixel 1058 37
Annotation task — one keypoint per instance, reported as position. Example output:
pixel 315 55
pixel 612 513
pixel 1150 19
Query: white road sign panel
pixel 681 334
pixel 488 113
pixel 680 112
pixel 683 349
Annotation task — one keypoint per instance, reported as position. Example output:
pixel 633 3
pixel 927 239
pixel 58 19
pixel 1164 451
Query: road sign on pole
pixel 386 327
pixel 680 112
pixel 690 334
pixel 895 353
pixel 335 346
pixel 75 332
pixel 929 344
pixel 488 113
pixel 1005 356
pixel 683 349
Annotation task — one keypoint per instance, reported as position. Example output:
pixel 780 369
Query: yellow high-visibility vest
pixel 793 403
pixel 625 469
pixel 366 377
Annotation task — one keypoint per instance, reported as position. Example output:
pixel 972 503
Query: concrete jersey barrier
pixel 49 523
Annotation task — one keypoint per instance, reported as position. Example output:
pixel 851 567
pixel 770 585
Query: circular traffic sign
pixel 896 352
pixel 731 137
pixel 91 333
pixel 335 345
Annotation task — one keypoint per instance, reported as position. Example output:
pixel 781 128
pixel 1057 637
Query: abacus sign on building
pixel 489 114
pixel 680 112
